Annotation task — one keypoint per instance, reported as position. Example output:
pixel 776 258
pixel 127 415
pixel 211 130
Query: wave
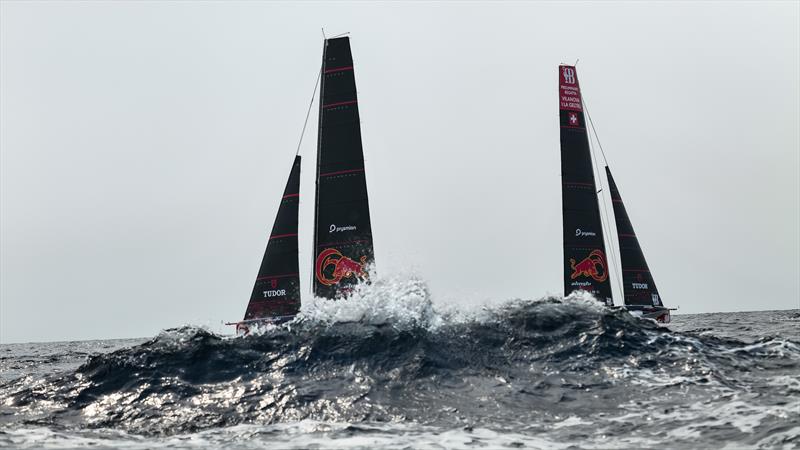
pixel 387 355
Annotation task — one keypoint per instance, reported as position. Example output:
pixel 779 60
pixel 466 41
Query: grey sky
pixel 144 147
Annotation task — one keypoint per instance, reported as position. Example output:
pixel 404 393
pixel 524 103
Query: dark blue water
pixel 387 369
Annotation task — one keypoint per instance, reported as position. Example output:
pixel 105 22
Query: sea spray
pixel 396 301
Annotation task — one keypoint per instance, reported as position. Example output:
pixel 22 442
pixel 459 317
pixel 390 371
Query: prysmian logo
pixel 275 293
pixel 334 229
pixel 579 232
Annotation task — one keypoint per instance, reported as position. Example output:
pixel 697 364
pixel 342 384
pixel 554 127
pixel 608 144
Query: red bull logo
pixel 588 267
pixel 331 267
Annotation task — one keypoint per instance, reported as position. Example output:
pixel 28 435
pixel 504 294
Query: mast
pixel 343 250
pixel 276 292
pixel 585 263
pixel 638 284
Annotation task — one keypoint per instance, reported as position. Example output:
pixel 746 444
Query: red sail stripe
pixel 291 195
pixel 267 277
pixel 331 105
pixel 336 244
pixel 341 172
pixel 339 69
pixel 276 236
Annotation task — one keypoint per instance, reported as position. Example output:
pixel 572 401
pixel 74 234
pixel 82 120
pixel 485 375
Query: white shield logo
pixel 569 75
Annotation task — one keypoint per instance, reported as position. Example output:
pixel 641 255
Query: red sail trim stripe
pixel 334 244
pixel 263 303
pixel 627 235
pixel 266 277
pixel 341 172
pixel 276 236
pixel 579 184
pixel 291 195
pixel 331 105
pixel 339 69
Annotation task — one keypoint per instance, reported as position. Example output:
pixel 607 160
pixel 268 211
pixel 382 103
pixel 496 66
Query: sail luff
pixel 638 284
pixel 585 263
pixel 343 250
pixel 276 292
pixel 319 156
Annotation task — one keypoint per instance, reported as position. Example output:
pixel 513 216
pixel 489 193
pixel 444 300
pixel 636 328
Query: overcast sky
pixel 145 146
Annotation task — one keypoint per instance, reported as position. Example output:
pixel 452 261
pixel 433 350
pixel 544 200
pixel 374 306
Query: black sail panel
pixel 585 263
pixel 638 284
pixel 343 249
pixel 276 292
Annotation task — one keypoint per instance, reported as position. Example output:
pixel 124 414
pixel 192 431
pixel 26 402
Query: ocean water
pixel 387 369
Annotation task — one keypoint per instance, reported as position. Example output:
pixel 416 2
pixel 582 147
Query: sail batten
pixel 585 263
pixel 276 292
pixel 343 250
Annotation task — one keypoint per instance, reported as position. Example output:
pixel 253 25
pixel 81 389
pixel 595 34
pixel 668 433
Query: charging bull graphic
pixel 588 267
pixel 343 267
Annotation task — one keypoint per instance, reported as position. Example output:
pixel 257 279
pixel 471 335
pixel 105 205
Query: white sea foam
pixel 773 347
pixel 343 435
pixel 692 420
pixel 404 301
pixel 401 301
pixel 292 435
pixel 582 297
pixel 570 421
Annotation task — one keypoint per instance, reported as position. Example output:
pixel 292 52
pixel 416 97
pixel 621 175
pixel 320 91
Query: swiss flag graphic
pixel 573 119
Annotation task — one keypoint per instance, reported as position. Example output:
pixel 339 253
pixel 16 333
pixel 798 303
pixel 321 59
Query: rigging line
pixel 594 130
pixel 606 224
pixel 308 113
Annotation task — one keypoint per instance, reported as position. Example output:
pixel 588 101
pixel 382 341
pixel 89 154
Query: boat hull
pixel 245 327
pixel 657 313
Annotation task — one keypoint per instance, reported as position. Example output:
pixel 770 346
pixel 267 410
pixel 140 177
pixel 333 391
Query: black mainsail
pixel 343 249
pixel 276 293
pixel 585 264
pixel 638 285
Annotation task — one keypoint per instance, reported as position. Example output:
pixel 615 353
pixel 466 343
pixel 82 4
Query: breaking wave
pixel 564 370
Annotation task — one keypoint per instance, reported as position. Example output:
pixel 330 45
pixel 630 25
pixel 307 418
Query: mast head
pixel 346 35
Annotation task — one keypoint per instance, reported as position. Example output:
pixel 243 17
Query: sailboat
pixel 585 263
pixel 343 250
